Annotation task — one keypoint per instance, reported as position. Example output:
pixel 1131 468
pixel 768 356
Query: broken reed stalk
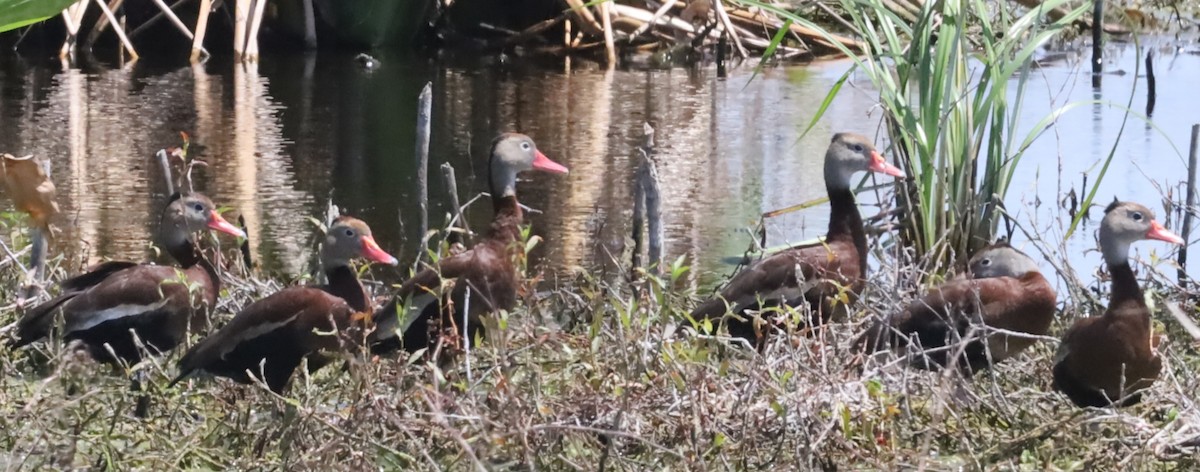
pixel 158 16
pixel 647 206
pixel 452 187
pixel 170 14
pixel 201 29
pixel 610 51
pixel 119 29
pixel 260 7
pixel 247 259
pixel 424 110
pixel 101 25
pixel 165 163
pixel 39 251
pixel 1191 204
pixel 310 25
pixel 1150 93
pixel 241 12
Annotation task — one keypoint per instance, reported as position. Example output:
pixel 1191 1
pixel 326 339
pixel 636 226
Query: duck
pixel 425 307
pixel 268 339
pixel 160 304
pixel 826 276
pixel 1003 289
pixel 1108 360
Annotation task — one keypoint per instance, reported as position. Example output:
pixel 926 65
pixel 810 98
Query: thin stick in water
pixel 1150 94
pixel 1097 42
pixel 1191 204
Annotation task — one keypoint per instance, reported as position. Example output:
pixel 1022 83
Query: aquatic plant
pixel 17 13
pixel 951 83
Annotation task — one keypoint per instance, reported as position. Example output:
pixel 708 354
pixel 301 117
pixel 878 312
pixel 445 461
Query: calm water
pixel 284 137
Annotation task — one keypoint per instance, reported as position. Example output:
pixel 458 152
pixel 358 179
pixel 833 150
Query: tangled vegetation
pixel 592 374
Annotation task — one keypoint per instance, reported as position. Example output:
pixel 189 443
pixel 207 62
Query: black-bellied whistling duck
pixel 1110 358
pixel 486 270
pixel 270 337
pixel 158 303
pixel 1002 290
pixel 816 274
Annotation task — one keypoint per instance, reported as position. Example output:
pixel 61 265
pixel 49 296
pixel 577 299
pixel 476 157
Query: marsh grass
pixel 951 85
pixel 591 374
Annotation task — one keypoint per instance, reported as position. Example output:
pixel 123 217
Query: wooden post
pixel 118 28
pixel 1191 204
pixel 201 28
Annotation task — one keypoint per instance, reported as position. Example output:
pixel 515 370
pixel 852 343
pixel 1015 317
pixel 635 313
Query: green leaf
pixel 17 13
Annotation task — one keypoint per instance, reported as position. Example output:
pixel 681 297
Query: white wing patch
pixel 253 332
pixel 96 318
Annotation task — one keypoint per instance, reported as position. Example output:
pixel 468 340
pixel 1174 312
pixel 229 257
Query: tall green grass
pixel 951 85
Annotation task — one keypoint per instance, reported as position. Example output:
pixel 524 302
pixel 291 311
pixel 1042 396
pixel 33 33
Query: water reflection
pixel 285 137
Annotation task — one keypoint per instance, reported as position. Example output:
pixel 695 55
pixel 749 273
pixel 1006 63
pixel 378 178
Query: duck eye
pixel 858 148
pixel 1137 216
pixel 526 146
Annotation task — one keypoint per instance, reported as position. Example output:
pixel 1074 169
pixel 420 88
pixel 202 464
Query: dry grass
pixel 591 377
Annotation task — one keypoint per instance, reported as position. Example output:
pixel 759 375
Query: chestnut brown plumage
pixel 269 338
pixel 1109 359
pixel 1003 289
pixel 824 276
pixel 157 303
pixel 434 297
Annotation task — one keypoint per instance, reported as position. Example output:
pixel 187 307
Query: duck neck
pixel 344 283
pixel 1125 287
pixel 190 258
pixel 507 215
pixel 1124 283
pixel 845 223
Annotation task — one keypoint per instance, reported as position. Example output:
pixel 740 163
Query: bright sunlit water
pixel 286 136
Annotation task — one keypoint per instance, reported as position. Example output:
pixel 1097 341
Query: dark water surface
pixel 284 137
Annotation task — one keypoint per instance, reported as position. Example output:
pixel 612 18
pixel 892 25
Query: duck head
pixel 850 153
pixel 349 238
pixel 1125 223
pixel 511 154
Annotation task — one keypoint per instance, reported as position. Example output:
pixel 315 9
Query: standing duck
pixel 158 303
pixel 1108 359
pixel 816 274
pixel 486 270
pixel 1003 290
pixel 270 337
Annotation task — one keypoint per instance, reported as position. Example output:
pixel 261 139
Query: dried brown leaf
pixel 30 188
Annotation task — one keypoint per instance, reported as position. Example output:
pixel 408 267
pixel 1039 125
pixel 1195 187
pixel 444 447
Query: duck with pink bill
pixel 426 308
pixel 120 310
pixel 269 338
pixel 1109 360
pixel 826 276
